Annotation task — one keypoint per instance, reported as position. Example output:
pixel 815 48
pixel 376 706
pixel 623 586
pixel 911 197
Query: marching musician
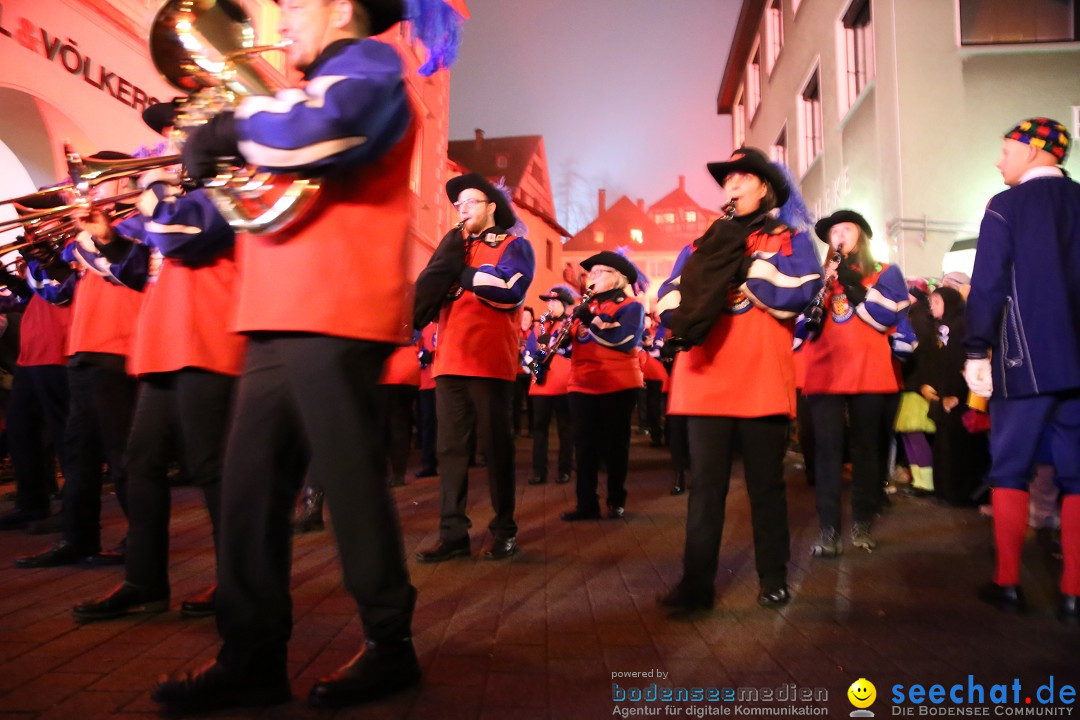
pixel 187 360
pixel 398 388
pixel 605 376
pixel 550 387
pixel 731 301
pixel 478 359
pixel 101 392
pixel 306 400
pixel 38 404
pixel 849 367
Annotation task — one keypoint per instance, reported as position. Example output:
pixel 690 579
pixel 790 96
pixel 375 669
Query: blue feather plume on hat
pixel 641 285
pixel 794 212
pixel 519 228
pixel 438 27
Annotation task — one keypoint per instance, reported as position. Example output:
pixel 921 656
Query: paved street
pixel 542 636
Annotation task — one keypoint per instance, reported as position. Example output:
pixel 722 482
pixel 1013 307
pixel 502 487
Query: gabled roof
pixel 615 224
pixel 676 199
pixel 481 155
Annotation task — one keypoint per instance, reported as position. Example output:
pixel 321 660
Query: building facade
pixel 896 108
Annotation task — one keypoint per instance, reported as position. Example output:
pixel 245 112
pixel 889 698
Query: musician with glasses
pixel 731 302
pixel 476 282
pixel 307 398
pixel 605 376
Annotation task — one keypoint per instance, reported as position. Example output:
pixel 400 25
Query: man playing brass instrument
pixel 306 401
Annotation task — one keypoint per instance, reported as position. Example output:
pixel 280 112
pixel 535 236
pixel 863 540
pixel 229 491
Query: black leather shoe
pixel 682 602
pixel 202 605
pixel 443 551
pixel 212 687
pixel 106 558
pixel 1007 598
pixel 426 472
pixel 537 480
pixel 777 597
pixel 124 599
pixel 1069 610
pixel 62 553
pixel 19 518
pixel 563 478
pixel 378 670
pixel 576 515
pixel 501 549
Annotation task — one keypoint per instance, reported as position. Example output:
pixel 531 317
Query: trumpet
pixel 40 217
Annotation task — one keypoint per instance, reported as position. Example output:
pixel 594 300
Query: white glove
pixel 979 377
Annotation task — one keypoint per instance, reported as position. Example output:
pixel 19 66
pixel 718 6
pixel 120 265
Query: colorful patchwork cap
pixel 1043 133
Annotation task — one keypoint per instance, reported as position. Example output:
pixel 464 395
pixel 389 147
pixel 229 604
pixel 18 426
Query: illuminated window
pixel 753 84
pixel 810 118
pixel 774 33
pixel 502 159
pixel 1003 22
pixel 662 218
pixel 691 216
pixel 779 148
pixel 598 235
pixel 738 124
pixel 637 236
pixel 859 43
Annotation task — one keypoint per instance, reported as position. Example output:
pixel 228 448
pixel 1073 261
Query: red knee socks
pixel 1010 526
pixel 1070 544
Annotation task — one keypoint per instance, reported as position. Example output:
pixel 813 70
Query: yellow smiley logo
pixel 862 693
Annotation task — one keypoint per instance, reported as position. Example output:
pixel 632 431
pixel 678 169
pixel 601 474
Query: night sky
pixel 623 91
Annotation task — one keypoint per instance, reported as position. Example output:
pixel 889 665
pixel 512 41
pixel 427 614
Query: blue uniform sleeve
pixel 886 301
pixel 784 284
pixel 503 286
pixel 351 113
pixel 49 290
pixel 132 270
pixel 991 282
pixel 903 340
pixel 189 228
pixel 668 297
pixel 621 331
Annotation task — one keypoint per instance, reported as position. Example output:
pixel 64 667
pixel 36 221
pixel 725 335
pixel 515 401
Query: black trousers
pixel 305 403
pixel 806 435
pixel 678 442
pixel 463 403
pixel 187 410
pixel 36 414
pixel 602 430
pixel 654 410
pixel 522 402
pixel 397 404
pixel 544 407
pixel 762 442
pixel 98 425
pixel 867 469
pixel 427 428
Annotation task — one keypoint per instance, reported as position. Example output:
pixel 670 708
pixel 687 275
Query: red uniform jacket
pixel 342 269
pixel 185 320
pixel 44 333
pixel 402 367
pixel 476 339
pixel 596 369
pixel 104 317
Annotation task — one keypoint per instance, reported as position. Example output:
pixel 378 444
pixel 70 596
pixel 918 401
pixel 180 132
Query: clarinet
pixel 815 311
pixel 540 364
pixel 455 290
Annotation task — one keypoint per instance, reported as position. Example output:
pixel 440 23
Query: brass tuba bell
pixel 206 49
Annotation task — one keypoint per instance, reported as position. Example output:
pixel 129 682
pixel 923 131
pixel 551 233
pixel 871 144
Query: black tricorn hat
pixel 612 260
pixel 161 115
pixel 560 293
pixel 382 14
pixel 504 215
pixel 841 216
pixel 753 161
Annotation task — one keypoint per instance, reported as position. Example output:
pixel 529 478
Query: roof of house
pixel 615 224
pixel 482 155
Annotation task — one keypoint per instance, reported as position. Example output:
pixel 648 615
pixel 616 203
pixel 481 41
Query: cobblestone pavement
pixel 543 635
